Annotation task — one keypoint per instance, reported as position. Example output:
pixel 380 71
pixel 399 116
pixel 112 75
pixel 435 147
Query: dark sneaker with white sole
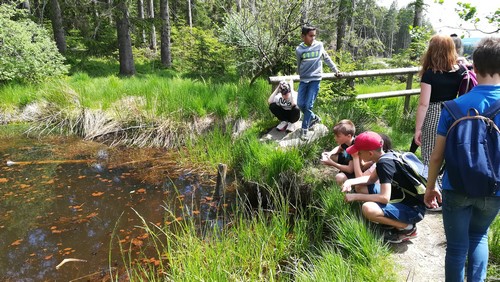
pixel 315 120
pixel 399 236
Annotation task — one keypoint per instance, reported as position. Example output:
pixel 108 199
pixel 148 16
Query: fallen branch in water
pixel 10 163
pixel 69 260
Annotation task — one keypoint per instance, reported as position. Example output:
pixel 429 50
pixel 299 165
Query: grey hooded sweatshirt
pixel 310 61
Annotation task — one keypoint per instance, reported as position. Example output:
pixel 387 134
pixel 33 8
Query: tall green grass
pixel 255 246
pixel 269 244
pixel 164 97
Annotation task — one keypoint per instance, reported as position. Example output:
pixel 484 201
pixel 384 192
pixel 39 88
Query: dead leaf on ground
pixel 137 242
pixel 92 215
pixel 97 194
pixel 4 180
pixel 17 242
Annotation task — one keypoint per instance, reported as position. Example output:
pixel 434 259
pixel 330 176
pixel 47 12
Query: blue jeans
pixel 466 222
pixel 305 100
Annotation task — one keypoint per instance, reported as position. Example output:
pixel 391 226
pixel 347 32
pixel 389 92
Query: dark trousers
pixel 292 115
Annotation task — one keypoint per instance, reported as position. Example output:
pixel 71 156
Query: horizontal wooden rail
pixel 274 80
pixel 389 94
pixel 353 74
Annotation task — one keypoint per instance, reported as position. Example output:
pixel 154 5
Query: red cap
pixel 366 141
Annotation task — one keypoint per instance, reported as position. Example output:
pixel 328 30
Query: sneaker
pixel 282 126
pixel 290 127
pixel 315 120
pixel 303 135
pixel 399 236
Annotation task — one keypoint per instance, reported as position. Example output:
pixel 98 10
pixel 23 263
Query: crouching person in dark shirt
pixel 397 204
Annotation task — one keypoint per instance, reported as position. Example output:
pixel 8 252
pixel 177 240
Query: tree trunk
pixel 151 15
pixel 304 17
pixel 419 8
pixel 140 11
pixel 110 8
pixel 26 5
pixel 344 14
pixel 238 6
pixel 166 54
pixel 190 15
pixel 124 42
pixel 57 26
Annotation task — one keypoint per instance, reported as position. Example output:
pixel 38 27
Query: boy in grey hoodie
pixel 310 55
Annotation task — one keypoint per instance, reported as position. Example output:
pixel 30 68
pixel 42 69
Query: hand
pixel 349 197
pixel 326 161
pixel 432 197
pixel 418 137
pixel 346 187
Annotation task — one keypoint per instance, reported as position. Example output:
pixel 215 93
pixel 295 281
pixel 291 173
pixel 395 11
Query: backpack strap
pixel 400 163
pixel 493 110
pixel 453 109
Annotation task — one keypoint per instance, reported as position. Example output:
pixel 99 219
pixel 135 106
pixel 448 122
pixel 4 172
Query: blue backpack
pixel 472 152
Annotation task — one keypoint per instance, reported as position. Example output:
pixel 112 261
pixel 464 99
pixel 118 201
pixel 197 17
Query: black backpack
pixel 413 168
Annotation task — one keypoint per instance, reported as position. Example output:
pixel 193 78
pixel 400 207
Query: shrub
pixel 27 52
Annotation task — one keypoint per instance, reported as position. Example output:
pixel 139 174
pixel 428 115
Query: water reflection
pixel 53 208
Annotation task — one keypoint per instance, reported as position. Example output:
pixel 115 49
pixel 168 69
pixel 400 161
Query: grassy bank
pixel 307 242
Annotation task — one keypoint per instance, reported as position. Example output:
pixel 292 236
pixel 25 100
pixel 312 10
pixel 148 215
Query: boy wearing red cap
pixel 391 206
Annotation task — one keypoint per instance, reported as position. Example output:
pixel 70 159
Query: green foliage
pixel 494 248
pixel 411 56
pixel 27 52
pixel 264 37
pixel 262 163
pixel 199 53
pixel 254 247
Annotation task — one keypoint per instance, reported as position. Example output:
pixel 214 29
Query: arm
pixel 329 62
pixel 343 168
pixel 297 55
pixel 423 105
pixel 363 180
pixel 383 197
pixel 293 93
pixel 432 193
pixel 270 100
pixel 357 165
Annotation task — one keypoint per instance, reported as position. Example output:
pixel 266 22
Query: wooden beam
pixel 353 74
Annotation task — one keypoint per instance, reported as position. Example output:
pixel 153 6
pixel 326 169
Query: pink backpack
pixel 468 80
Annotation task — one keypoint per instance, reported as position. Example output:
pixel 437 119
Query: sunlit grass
pixel 269 244
pixel 252 246
pixel 374 86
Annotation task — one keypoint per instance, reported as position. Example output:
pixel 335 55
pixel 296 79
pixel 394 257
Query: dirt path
pixel 422 259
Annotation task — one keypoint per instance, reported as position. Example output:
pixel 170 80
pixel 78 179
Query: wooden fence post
pixel 220 186
pixel 409 81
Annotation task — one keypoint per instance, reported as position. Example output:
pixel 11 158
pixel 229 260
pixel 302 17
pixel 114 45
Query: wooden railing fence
pixel 409 72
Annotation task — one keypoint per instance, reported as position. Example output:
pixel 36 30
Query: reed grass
pixel 258 245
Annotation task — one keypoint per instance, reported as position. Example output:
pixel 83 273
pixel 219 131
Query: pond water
pixel 62 198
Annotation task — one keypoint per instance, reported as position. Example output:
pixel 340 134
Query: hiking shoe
pixel 282 126
pixel 303 135
pixel 315 120
pixel 290 127
pixel 399 236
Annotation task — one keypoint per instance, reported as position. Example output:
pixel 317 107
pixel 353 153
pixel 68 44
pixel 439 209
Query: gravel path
pixel 422 258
